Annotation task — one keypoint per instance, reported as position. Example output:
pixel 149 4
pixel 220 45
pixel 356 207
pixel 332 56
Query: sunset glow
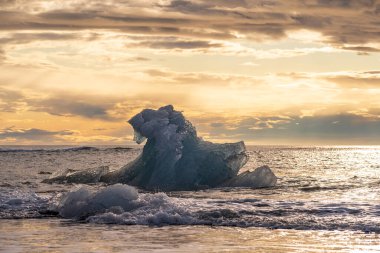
pixel 267 72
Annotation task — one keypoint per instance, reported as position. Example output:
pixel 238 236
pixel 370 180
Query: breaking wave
pixel 124 205
pixel 16 204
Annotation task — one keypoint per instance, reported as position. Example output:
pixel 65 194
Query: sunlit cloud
pixel 75 71
pixel 12 134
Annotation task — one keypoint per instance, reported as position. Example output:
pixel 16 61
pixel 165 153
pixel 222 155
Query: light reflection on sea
pixel 57 236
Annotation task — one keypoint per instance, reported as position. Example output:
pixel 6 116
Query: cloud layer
pixel 340 128
pixel 32 134
pixel 348 25
pixel 76 70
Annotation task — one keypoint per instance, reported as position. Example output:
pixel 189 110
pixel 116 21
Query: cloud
pixel 374 111
pixel 362 49
pixel 344 79
pixel 2 55
pixel 178 44
pixel 10 100
pixel 196 78
pixel 217 124
pixel 92 107
pixel 139 58
pixel 342 128
pixel 32 134
pixel 250 64
pixel 341 21
pixel 336 128
pixel 71 105
pixel 346 24
pixel 21 38
pixel 359 80
pixel 68 105
pixel 356 82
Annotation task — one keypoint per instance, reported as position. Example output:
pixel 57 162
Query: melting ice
pixel 175 158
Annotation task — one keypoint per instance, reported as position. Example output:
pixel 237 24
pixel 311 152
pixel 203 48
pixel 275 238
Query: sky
pixel 302 72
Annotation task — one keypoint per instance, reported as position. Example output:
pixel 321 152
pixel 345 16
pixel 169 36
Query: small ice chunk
pixel 75 203
pixel 86 176
pixel 118 195
pixel 261 177
pixel 81 202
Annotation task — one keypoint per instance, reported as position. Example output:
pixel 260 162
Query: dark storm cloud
pixel 322 127
pixel 347 24
pixel 32 134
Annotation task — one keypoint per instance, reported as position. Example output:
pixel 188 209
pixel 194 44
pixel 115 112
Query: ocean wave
pixel 124 205
pixel 17 204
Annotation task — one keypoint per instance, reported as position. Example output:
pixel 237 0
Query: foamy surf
pixel 124 205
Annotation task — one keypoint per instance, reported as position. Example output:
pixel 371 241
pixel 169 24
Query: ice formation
pixel 175 158
pixel 81 202
pixel 261 177
pixel 122 204
pixel 91 175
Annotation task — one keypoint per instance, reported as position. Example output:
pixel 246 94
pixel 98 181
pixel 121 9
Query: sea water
pixel 326 199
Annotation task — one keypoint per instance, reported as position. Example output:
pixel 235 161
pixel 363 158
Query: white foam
pixel 21 204
pixel 122 204
pixel 82 201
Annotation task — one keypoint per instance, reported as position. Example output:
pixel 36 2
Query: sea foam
pixel 122 204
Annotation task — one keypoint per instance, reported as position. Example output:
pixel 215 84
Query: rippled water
pixel 324 195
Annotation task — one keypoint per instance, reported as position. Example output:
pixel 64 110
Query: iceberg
pixel 261 177
pixel 175 158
